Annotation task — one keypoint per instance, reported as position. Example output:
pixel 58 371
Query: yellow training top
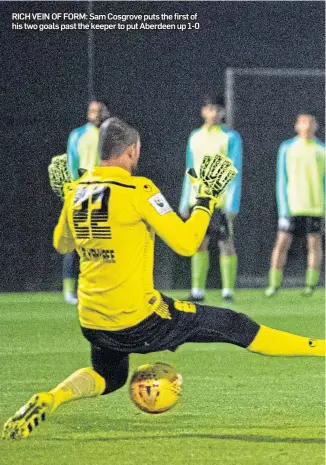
pixel 111 218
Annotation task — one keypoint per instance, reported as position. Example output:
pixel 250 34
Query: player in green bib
pixel 212 138
pixel 300 192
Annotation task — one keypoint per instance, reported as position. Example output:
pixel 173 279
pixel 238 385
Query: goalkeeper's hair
pixel 115 137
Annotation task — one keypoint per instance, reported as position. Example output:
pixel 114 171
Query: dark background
pixel 155 80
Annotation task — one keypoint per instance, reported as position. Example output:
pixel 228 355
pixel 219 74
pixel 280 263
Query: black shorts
pixel 301 225
pixel 220 226
pixel 174 323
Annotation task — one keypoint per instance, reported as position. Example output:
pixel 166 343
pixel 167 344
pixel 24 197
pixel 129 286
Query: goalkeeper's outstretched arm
pixel 185 237
pixel 63 240
pixel 182 237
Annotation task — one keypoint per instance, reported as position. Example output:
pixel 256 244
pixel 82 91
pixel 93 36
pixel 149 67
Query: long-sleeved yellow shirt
pixel 111 218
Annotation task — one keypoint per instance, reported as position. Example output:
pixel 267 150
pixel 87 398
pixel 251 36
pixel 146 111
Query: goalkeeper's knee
pixel 115 381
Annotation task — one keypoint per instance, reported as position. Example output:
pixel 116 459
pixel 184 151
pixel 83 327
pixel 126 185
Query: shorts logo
pixel 184 306
pixel 160 204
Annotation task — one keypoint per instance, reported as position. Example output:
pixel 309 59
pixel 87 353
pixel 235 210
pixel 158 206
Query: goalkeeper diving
pixel 110 216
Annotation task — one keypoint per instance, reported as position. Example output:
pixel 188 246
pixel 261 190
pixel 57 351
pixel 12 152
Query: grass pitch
pixel 237 408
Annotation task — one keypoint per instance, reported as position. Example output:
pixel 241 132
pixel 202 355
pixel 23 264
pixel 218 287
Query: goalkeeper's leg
pixel 110 372
pixel 224 325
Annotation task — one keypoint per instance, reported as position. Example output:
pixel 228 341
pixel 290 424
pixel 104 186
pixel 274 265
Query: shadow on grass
pixel 221 437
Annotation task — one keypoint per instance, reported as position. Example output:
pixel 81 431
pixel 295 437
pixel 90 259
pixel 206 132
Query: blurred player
pixel 111 217
pixel 300 192
pixel 213 137
pixel 82 154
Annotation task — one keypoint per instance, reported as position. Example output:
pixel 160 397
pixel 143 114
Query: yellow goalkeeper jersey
pixel 111 218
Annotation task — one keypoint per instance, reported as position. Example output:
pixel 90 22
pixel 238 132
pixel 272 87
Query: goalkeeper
pixel 211 138
pixel 111 217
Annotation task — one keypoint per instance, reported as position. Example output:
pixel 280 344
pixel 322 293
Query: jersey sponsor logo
pixel 160 204
pixel 106 256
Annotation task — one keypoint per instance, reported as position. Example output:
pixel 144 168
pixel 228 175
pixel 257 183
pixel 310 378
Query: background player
pixel 110 216
pixel 82 154
pixel 213 137
pixel 300 193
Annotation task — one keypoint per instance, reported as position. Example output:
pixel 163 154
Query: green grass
pixel 237 408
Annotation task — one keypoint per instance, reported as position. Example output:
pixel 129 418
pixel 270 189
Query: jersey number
pixel 89 221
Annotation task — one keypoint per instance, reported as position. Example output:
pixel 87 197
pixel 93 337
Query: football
pixel 155 388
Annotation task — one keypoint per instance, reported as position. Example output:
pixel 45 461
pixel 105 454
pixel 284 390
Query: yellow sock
pixel 269 341
pixel 81 384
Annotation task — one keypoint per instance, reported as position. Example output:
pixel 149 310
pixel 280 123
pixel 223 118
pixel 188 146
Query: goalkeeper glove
pixel 59 174
pixel 216 172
